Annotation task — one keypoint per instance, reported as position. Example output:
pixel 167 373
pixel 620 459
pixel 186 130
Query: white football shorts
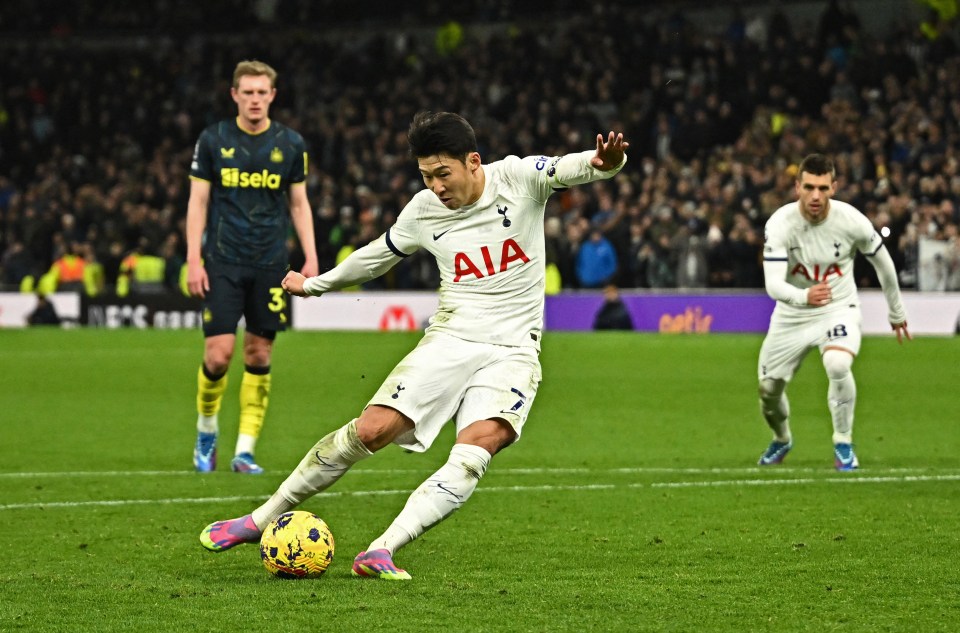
pixel 447 378
pixel 790 338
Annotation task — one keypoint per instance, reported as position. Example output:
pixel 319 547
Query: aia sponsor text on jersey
pixel 464 265
pixel 802 271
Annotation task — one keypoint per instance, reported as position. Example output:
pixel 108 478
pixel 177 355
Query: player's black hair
pixel 817 165
pixel 435 133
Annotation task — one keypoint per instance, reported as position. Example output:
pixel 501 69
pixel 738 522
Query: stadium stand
pixel 100 105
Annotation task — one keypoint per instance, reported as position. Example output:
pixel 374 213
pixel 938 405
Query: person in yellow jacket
pixel 141 272
pixel 94 279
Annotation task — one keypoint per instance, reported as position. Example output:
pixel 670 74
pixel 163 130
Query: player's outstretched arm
pixel 610 152
pixel 362 265
pixel 579 168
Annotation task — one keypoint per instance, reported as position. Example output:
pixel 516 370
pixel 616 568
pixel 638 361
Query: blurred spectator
pixel 636 276
pixel 576 230
pixel 613 314
pixel 324 222
pixel 67 272
pixel 344 237
pixel 174 264
pixel 94 279
pixel 556 250
pixel 745 253
pixel 909 273
pixel 141 271
pixel 596 261
pixel 952 259
pixel 18 267
pixel 660 263
pixel 44 313
pixel 691 261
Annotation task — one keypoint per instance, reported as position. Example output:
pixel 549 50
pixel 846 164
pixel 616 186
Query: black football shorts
pixel 253 293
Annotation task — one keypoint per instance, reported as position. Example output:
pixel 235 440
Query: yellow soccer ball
pixel 297 545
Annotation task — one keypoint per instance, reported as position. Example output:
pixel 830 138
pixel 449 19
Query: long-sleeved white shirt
pixel 798 255
pixel 490 253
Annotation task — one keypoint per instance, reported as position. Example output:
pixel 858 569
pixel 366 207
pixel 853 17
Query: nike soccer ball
pixel 296 545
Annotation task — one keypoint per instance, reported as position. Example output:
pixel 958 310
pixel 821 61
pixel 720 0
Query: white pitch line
pixel 97 473
pixel 345 493
pixel 500 471
pixel 792 482
pixel 493 489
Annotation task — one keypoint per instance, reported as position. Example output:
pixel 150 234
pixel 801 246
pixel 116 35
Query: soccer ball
pixel 296 545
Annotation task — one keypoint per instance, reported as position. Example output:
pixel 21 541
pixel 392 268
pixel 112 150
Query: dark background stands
pixel 100 104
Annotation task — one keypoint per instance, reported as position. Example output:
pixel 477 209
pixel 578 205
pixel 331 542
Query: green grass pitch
pixel 632 502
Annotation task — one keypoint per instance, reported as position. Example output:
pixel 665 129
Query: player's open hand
pixel 293 283
pixel 902 332
pixel 819 295
pixel 610 152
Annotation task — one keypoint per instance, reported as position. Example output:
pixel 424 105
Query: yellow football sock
pixel 209 393
pixel 254 397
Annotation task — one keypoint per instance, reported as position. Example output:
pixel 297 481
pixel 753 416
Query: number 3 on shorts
pixel 278 302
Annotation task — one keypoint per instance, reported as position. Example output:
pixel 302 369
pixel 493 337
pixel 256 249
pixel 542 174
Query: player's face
pixel 814 193
pixel 456 183
pixel 253 97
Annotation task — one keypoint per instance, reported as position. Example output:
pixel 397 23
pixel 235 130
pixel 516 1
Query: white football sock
pixel 841 394
pixel 327 461
pixel 776 408
pixel 437 498
pixel 207 423
pixel 245 444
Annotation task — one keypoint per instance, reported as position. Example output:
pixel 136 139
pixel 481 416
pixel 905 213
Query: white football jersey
pixel 490 253
pixel 820 252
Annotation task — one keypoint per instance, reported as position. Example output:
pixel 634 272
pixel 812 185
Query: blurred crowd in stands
pixel 99 116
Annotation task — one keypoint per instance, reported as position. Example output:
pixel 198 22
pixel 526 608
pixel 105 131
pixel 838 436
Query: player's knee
pixel 256 351
pixel 216 362
pixel 379 426
pixel 257 359
pixel 837 363
pixel 491 435
pixel 217 352
pixel 771 388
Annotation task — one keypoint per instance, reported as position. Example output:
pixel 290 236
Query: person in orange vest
pixel 66 273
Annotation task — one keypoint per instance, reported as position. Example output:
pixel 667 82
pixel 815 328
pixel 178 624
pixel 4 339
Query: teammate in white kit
pixel 808 258
pixel 478 362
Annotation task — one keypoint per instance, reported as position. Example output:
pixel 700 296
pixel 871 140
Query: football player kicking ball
pixel 477 363
pixel 808 257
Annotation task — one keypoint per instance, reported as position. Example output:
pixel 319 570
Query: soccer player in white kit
pixel 478 362
pixel 808 255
